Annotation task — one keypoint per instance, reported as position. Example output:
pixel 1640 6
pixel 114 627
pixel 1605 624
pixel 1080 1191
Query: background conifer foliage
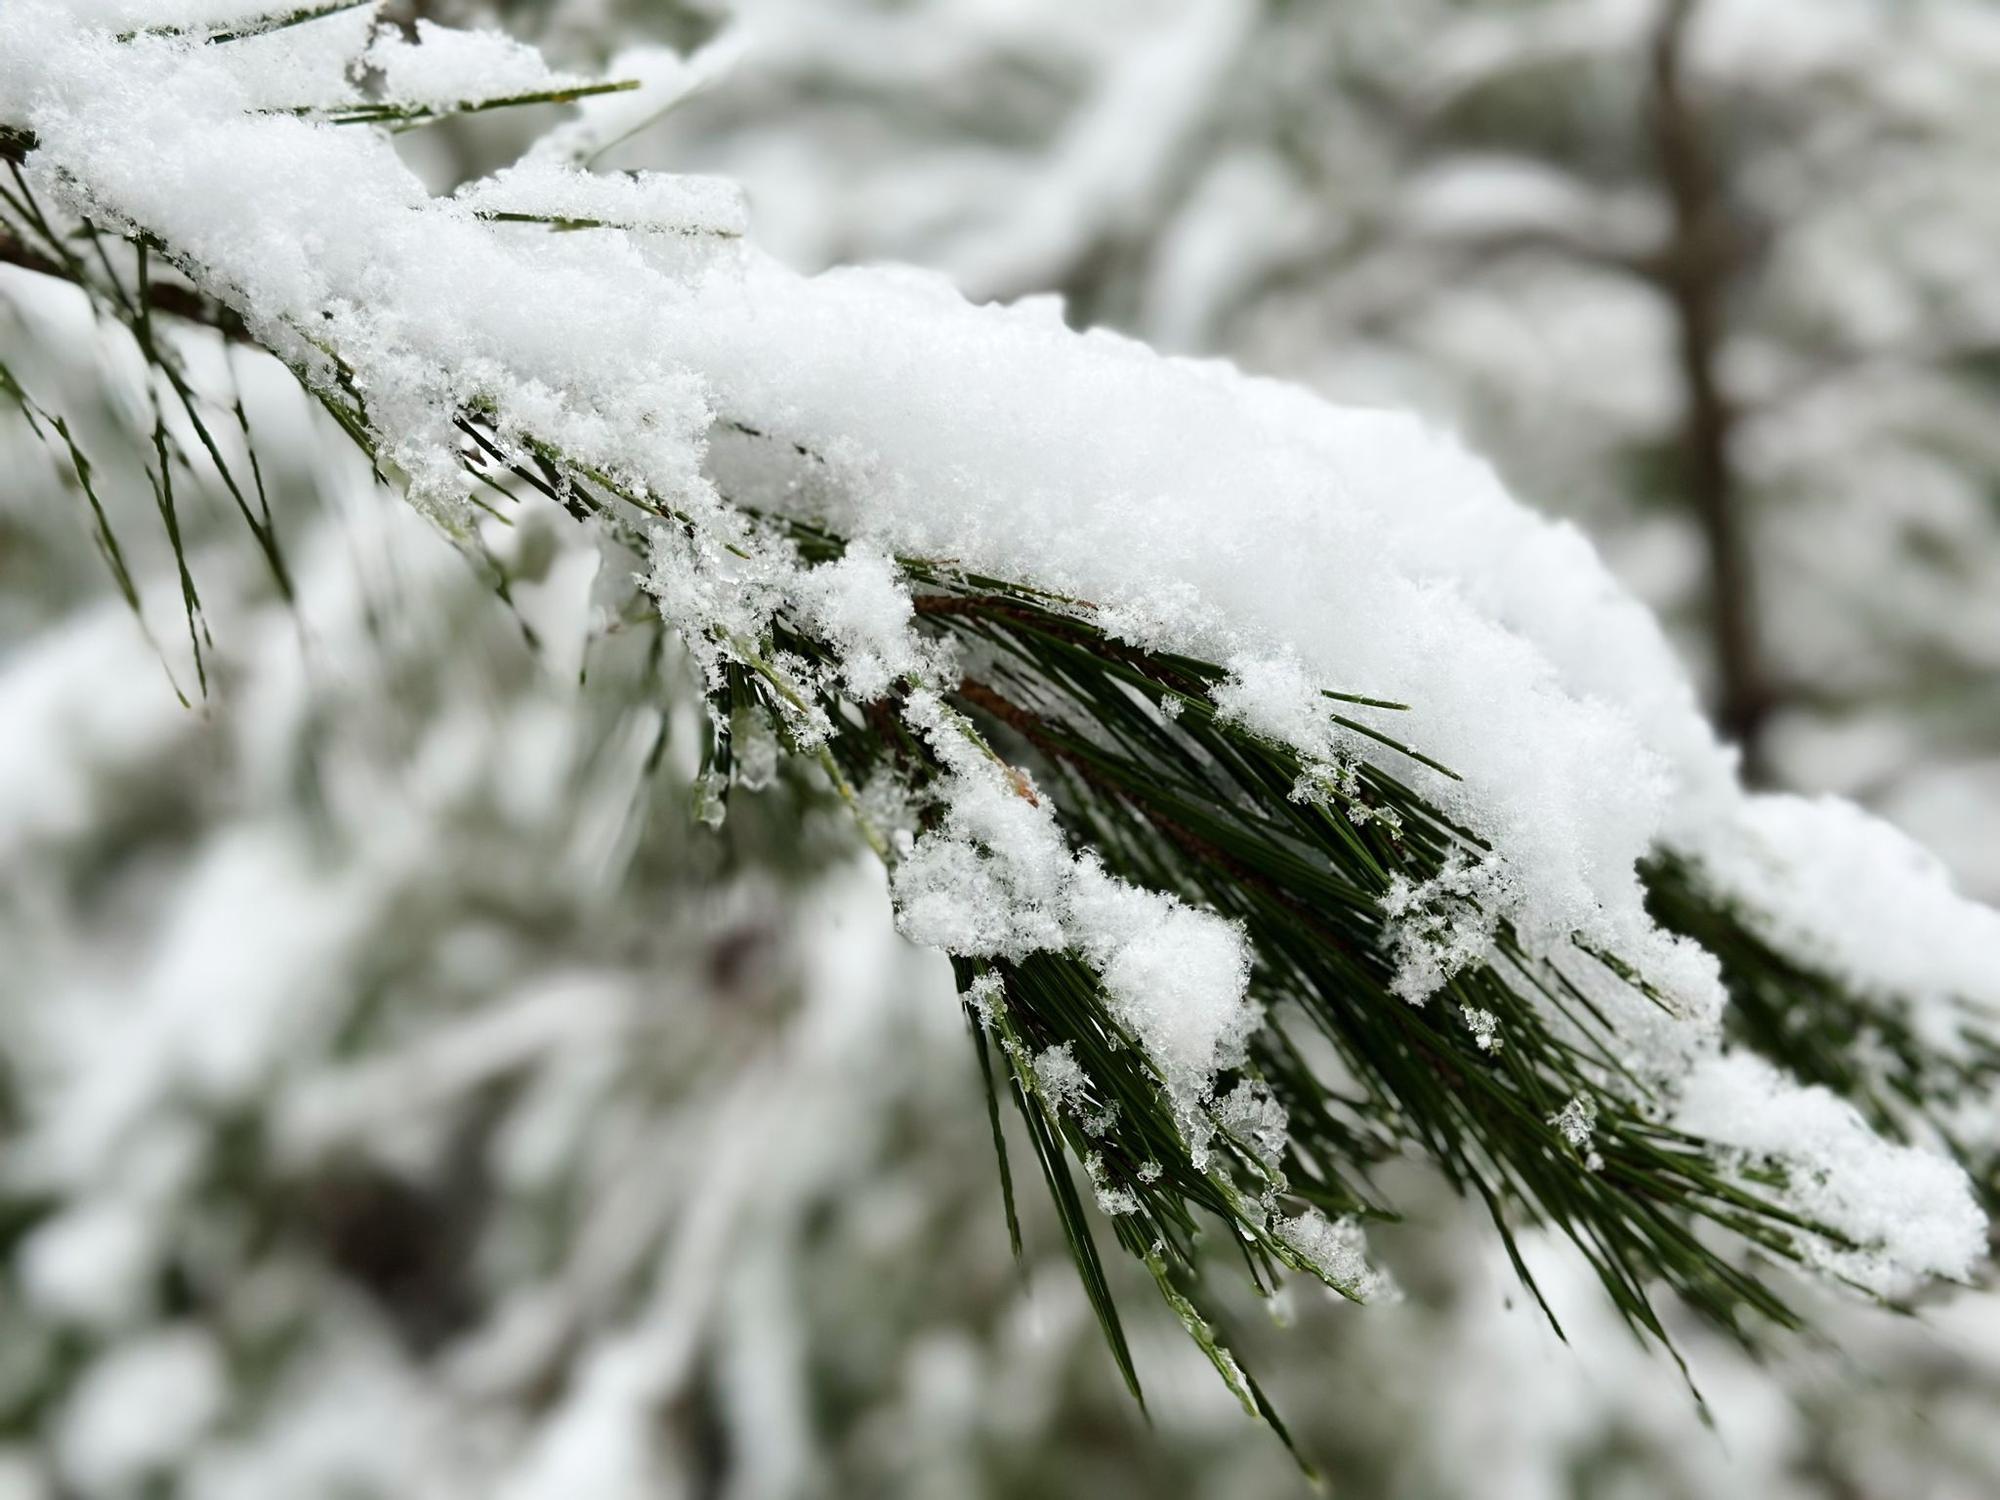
pixel 814 747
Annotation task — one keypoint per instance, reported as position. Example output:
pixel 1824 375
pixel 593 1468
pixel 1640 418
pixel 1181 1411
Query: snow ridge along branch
pixel 1287 796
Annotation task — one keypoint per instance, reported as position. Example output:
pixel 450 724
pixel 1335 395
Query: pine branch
pixel 1871 1051
pixel 1512 1079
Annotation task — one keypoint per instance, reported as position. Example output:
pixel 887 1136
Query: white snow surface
pixel 1244 521
pixel 1895 1202
pixel 1820 878
pixel 141 1404
pixel 668 202
pixel 444 66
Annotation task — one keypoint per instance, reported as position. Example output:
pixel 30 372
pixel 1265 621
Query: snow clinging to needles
pixel 1303 545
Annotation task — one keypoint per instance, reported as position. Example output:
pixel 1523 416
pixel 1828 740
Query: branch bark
pixel 1702 258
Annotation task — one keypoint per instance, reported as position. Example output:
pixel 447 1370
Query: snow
pixel 59 741
pixel 1333 1247
pixel 1249 1112
pixel 1908 1212
pixel 1576 1123
pixel 1111 1199
pixel 859 603
pixel 985 991
pixel 1866 906
pixel 1485 1028
pixel 997 879
pixel 1445 925
pixel 139 1406
pixel 710 593
pixel 1577 1120
pixel 308 65
pixel 1060 1077
pixel 1305 546
pixel 1495 196
pixel 658 201
pixel 1177 976
pixel 1095 468
pixel 91 1263
pixel 444 67
pixel 1117 158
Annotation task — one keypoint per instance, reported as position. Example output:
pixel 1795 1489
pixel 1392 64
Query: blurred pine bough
pixel 993 609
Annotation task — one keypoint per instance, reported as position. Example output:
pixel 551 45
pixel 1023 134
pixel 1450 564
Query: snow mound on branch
pixel 296 67
pixel 445 66
pixel 1820 878
pixel 1905 1211
pixel 1202 511
pixel 663 201
pixel 1244 522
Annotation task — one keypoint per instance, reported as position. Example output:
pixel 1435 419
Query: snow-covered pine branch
pixel 1287 795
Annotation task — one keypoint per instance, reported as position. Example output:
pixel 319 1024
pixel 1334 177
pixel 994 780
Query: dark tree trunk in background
pixel 1700 261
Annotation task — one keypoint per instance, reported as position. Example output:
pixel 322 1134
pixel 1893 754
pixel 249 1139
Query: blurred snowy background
pixel 404 1095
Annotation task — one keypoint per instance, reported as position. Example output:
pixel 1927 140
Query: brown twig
pixel 1702 258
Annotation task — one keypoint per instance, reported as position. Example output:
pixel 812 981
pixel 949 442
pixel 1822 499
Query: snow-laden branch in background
pixel 1200 513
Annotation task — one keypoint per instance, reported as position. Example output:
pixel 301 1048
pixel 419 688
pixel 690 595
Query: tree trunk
pixel 1701 259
